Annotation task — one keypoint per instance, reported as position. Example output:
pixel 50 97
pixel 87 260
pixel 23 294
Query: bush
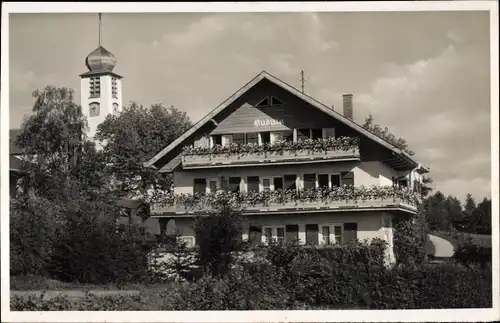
pixel 317 284
pixel 410 239
pixel 32 233
pixel 469 254
pixel 90 249
pixel 218 237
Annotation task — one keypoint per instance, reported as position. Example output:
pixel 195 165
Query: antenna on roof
pixel 100 28
pixel 302 81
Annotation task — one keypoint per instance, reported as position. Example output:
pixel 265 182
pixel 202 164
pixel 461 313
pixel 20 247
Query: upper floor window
pixel 114 87
pixel 115 108
pixel 269 101
pixel 94 109
pixel 95 87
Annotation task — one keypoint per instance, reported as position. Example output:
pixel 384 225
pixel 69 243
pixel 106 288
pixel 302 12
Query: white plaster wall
pixel 365 173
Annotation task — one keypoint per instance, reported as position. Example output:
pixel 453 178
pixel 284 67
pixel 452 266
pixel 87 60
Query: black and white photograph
pixel 308 162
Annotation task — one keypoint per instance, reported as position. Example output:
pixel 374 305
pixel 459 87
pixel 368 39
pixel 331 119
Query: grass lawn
pixel 457 238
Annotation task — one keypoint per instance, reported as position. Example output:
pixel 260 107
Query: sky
pixel 424 75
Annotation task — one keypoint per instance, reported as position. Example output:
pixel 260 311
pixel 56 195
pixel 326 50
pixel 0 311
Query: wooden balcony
pixel 290 207
pixel 264 158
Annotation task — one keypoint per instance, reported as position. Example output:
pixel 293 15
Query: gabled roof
pixel 265 75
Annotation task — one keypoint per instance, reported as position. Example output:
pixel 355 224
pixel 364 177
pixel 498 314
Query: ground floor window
pixel 275 233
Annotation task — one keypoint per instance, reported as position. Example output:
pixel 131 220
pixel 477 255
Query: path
pixel 73 294
pixel 444 248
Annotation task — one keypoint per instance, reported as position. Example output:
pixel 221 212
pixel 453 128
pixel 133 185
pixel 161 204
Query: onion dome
pixel 100 60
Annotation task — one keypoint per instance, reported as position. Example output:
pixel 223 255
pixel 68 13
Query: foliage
pixel 410 239
pixel 469 253
pixel 210 202
pixel 316 284
pixel 385 134
pixel 278 147
pixel 218 237
pixel 32 233
pixel 178 262
pixel 133 137
pixel 90 249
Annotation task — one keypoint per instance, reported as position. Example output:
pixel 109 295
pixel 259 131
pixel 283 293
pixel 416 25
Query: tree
pixel 219 234
pixel 469 222
pixel 385 134
pixel 65 198
pixel 426 189
pixel 133 137
pixel 483 216
pixel 437 212
pixel 454 209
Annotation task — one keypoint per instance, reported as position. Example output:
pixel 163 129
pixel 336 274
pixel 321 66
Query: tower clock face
pixel 94 109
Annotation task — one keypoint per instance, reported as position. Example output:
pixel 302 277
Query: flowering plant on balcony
pixel 211 201
pixel 277 147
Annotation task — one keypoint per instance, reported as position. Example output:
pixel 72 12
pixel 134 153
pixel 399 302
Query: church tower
pixel 101 88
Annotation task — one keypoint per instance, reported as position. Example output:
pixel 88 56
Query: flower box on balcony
pixel 343 197
pixel 281 151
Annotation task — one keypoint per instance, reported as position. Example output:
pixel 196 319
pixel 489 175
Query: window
pixel 266 184
pixel 212 185
pixel 288 135
pixel 348 178
pixel 316 133
pixel 289 182
pixel 331 233
pixel 94 109
pixel 95 87
pixel 114 87
pixel 328 133
pixel 115 108
pixel 325 231
pixel 268 235
pixel 350 232
pixel 265 138
pixel 323 181
pixel 234 184
pixel 239 138
pixel 252 138
pixel 312 234
pixel 263 103
pixel 280 234
pixel 227 140
pixel 338 234
pixel 309 181
pixel 335 179
pixel 403 182
pixel 278 183
pixel 200 186
pixel 215 140
pixel 254 235
pixel 276 136
pixel 276 101
pixel 253 183
pixel 303 134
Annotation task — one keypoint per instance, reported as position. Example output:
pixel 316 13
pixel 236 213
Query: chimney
pixel 347 103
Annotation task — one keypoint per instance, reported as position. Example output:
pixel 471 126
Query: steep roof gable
pixel 265 75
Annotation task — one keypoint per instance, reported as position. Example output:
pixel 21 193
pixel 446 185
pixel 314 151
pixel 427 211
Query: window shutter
pixel 350 232
pixel 292 233
pixel 348 178
pixel 312 234
pixel 200 186
pixel 255 235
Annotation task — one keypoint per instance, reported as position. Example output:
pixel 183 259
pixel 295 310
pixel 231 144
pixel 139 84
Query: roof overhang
pixel 264 75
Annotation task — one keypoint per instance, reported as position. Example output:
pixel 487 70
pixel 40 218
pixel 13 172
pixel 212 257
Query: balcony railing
pixel 280 151
pixel 336 199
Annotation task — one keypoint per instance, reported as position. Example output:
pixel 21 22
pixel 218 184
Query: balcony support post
pixel 302 233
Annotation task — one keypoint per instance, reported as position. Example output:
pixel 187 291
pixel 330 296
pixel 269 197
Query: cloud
pixel 431 103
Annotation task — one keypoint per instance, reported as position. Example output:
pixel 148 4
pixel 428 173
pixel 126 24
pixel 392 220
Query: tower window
pixel 95 87
pixel 114 87
pixel 115 108
pixel 94 109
